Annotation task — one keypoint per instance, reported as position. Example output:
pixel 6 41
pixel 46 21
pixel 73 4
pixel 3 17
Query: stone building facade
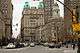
pixel 2 26
pixel 6 17
pixel 48 9
pixel 53 29
pixel 42 24
pixel 32 18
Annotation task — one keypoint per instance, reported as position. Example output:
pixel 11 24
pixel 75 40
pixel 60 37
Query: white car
pixel 25 44
pixel 32 44
pixel 51 45
pixel 10 45
pixel 46 44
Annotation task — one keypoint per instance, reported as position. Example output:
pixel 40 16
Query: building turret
pixel 56 11
pixel 26 5
pixel 41 5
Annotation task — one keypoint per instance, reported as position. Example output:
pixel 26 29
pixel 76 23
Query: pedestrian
pixel 73 46
pixel 1 44
pixel 78 51
pixel 66 45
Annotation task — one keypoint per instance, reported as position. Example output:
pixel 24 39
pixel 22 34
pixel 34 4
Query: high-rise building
pixel 2 24
pixel 55 11
pixel 48 9
pixel 55 23
pixel 32 18
pixel 0 3
pixel 6 12
pixel 42 23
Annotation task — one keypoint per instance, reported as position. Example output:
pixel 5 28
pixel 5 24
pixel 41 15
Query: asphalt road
pixel 39 49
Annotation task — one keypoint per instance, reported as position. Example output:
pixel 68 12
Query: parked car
pixel 10 45
pixel 45 44
pixel 42 44
pixel 37 43
pixel 19 45
pixel 25 44
pixel 32 44
pixel 58 45
pixel 51 45
pixel 75 43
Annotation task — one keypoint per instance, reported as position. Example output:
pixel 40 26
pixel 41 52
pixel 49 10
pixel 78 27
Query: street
pixel 39 49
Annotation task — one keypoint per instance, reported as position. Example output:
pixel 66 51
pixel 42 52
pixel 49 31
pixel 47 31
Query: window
pixel 6 6
pixel 41 16
pixel 4 0
pixel 6 11
pixel 31 20
pixel 3 11
pixel 57 12
pixel 27 5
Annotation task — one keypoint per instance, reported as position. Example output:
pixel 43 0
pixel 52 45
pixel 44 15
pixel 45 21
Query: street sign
pixel 76 27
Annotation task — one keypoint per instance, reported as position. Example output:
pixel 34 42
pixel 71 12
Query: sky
pixel 17 13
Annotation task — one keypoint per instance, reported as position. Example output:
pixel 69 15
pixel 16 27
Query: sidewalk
pixel 70 51
pixel 3 47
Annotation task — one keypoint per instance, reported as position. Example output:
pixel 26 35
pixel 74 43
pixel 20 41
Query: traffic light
pixel 76 27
